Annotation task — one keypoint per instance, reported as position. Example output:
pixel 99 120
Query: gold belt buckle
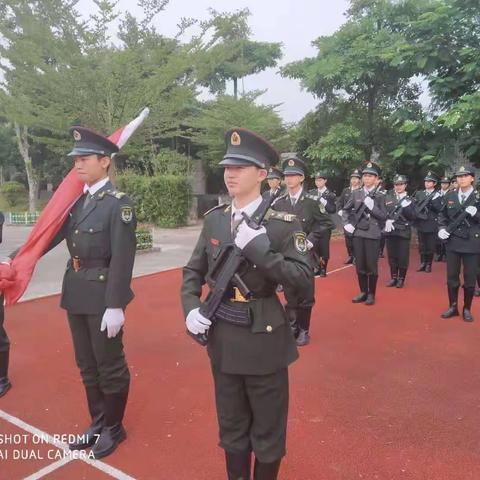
pixel 237 296
pixel 76 264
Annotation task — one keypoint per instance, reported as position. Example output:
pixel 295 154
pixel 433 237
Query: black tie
pixel 463 196
pixel 235 224
pixel 87 200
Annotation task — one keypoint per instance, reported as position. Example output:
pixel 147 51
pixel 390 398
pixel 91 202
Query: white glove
pixel 436 196
pixel 245 235
pixel 323 201
pixel 340 213
pixel 471 210
pixel 113 320
pixel 443 234
pixel 309 244
pixel 369 203
pixel 196 322
pixel 349 228
pixel 389 227
pixel 405 202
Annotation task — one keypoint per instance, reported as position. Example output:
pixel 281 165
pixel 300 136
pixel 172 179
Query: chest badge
pixel 126 214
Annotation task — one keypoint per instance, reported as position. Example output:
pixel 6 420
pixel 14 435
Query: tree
pixel 443 44
pixel 230 54
pixel 354 66
pixel 210 122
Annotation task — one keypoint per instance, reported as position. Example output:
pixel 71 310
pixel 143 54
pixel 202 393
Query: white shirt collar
pixel 248 209
pixel 93 189
pixel 428 191
pixel 297 195
pixel 401 195
pixel 321 190
pixel 367 191
pixel 464 194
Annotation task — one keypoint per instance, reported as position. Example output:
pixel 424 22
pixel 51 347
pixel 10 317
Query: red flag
pixel 52 218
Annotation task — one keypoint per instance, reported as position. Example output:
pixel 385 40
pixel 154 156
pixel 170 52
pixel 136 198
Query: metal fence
pixel 22 218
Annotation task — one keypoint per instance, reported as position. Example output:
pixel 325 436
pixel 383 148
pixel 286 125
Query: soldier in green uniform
pixel 274 180
pixel 297 202
pixel 355 183
pixel 426 222
pixel 444 189
pixel 250 343
pixel 398 230
pixel 100 236
pixel 462 242
pixel 366 229
pixel 327 205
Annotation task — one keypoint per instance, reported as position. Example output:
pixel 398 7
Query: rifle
pixel 460 218
pixel 426 201
pixel 397 211
pixel 362 208
pixel 225 273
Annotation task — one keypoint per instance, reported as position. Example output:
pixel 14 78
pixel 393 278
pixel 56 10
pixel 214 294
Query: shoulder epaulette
pixel 286 217
pixel 113 193
pixel 216 207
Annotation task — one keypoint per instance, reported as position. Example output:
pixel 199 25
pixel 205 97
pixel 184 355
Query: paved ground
pixel 173 249
pixel 388 392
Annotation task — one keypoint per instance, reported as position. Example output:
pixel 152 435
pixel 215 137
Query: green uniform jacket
pixel 466 237
pixel 102 233
pixel 278 258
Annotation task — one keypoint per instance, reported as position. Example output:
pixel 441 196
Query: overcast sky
pixel 295 23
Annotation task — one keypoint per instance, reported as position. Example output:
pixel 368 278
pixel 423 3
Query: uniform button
pixel 269 328
pixel 90 230
pixel 101 277
pixel 76 232
pixel 74 244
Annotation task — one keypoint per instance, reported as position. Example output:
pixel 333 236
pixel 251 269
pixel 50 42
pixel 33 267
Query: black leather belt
pixel 79 263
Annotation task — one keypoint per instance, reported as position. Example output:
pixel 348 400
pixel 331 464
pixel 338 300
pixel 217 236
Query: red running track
pixel 386 392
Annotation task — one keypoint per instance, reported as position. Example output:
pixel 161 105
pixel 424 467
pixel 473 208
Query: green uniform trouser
pixel 4 342
pixel 100 359
pixel 252 413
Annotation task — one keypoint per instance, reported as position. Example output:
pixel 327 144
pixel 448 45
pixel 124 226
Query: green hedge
pixel 162 199
pixel 13 192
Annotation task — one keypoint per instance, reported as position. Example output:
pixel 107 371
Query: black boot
pixel 112 432
pixel 5 384
pixel 467 303
pixel 452 310
pixel 323 268
pixel 292 320
pixel 303 319
pixel 266 471
pixel 372 289
pixel 349 260
pixel 402 273
pixel 394 275
pixel 428 264
pixel 238 465
pixel 96 408
pixel 363 284
pixel 423 264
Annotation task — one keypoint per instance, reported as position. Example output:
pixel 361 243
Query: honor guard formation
pixel 248 251
pixel 262 244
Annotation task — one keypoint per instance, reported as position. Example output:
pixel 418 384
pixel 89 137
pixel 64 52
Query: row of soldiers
pixel 373 217
pixel 281 240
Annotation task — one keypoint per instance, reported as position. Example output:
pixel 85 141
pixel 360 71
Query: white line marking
pixel 339 269
pixel 104 467
pixel 48 469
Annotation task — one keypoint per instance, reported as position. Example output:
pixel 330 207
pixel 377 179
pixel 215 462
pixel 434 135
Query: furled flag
pixel 52 218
